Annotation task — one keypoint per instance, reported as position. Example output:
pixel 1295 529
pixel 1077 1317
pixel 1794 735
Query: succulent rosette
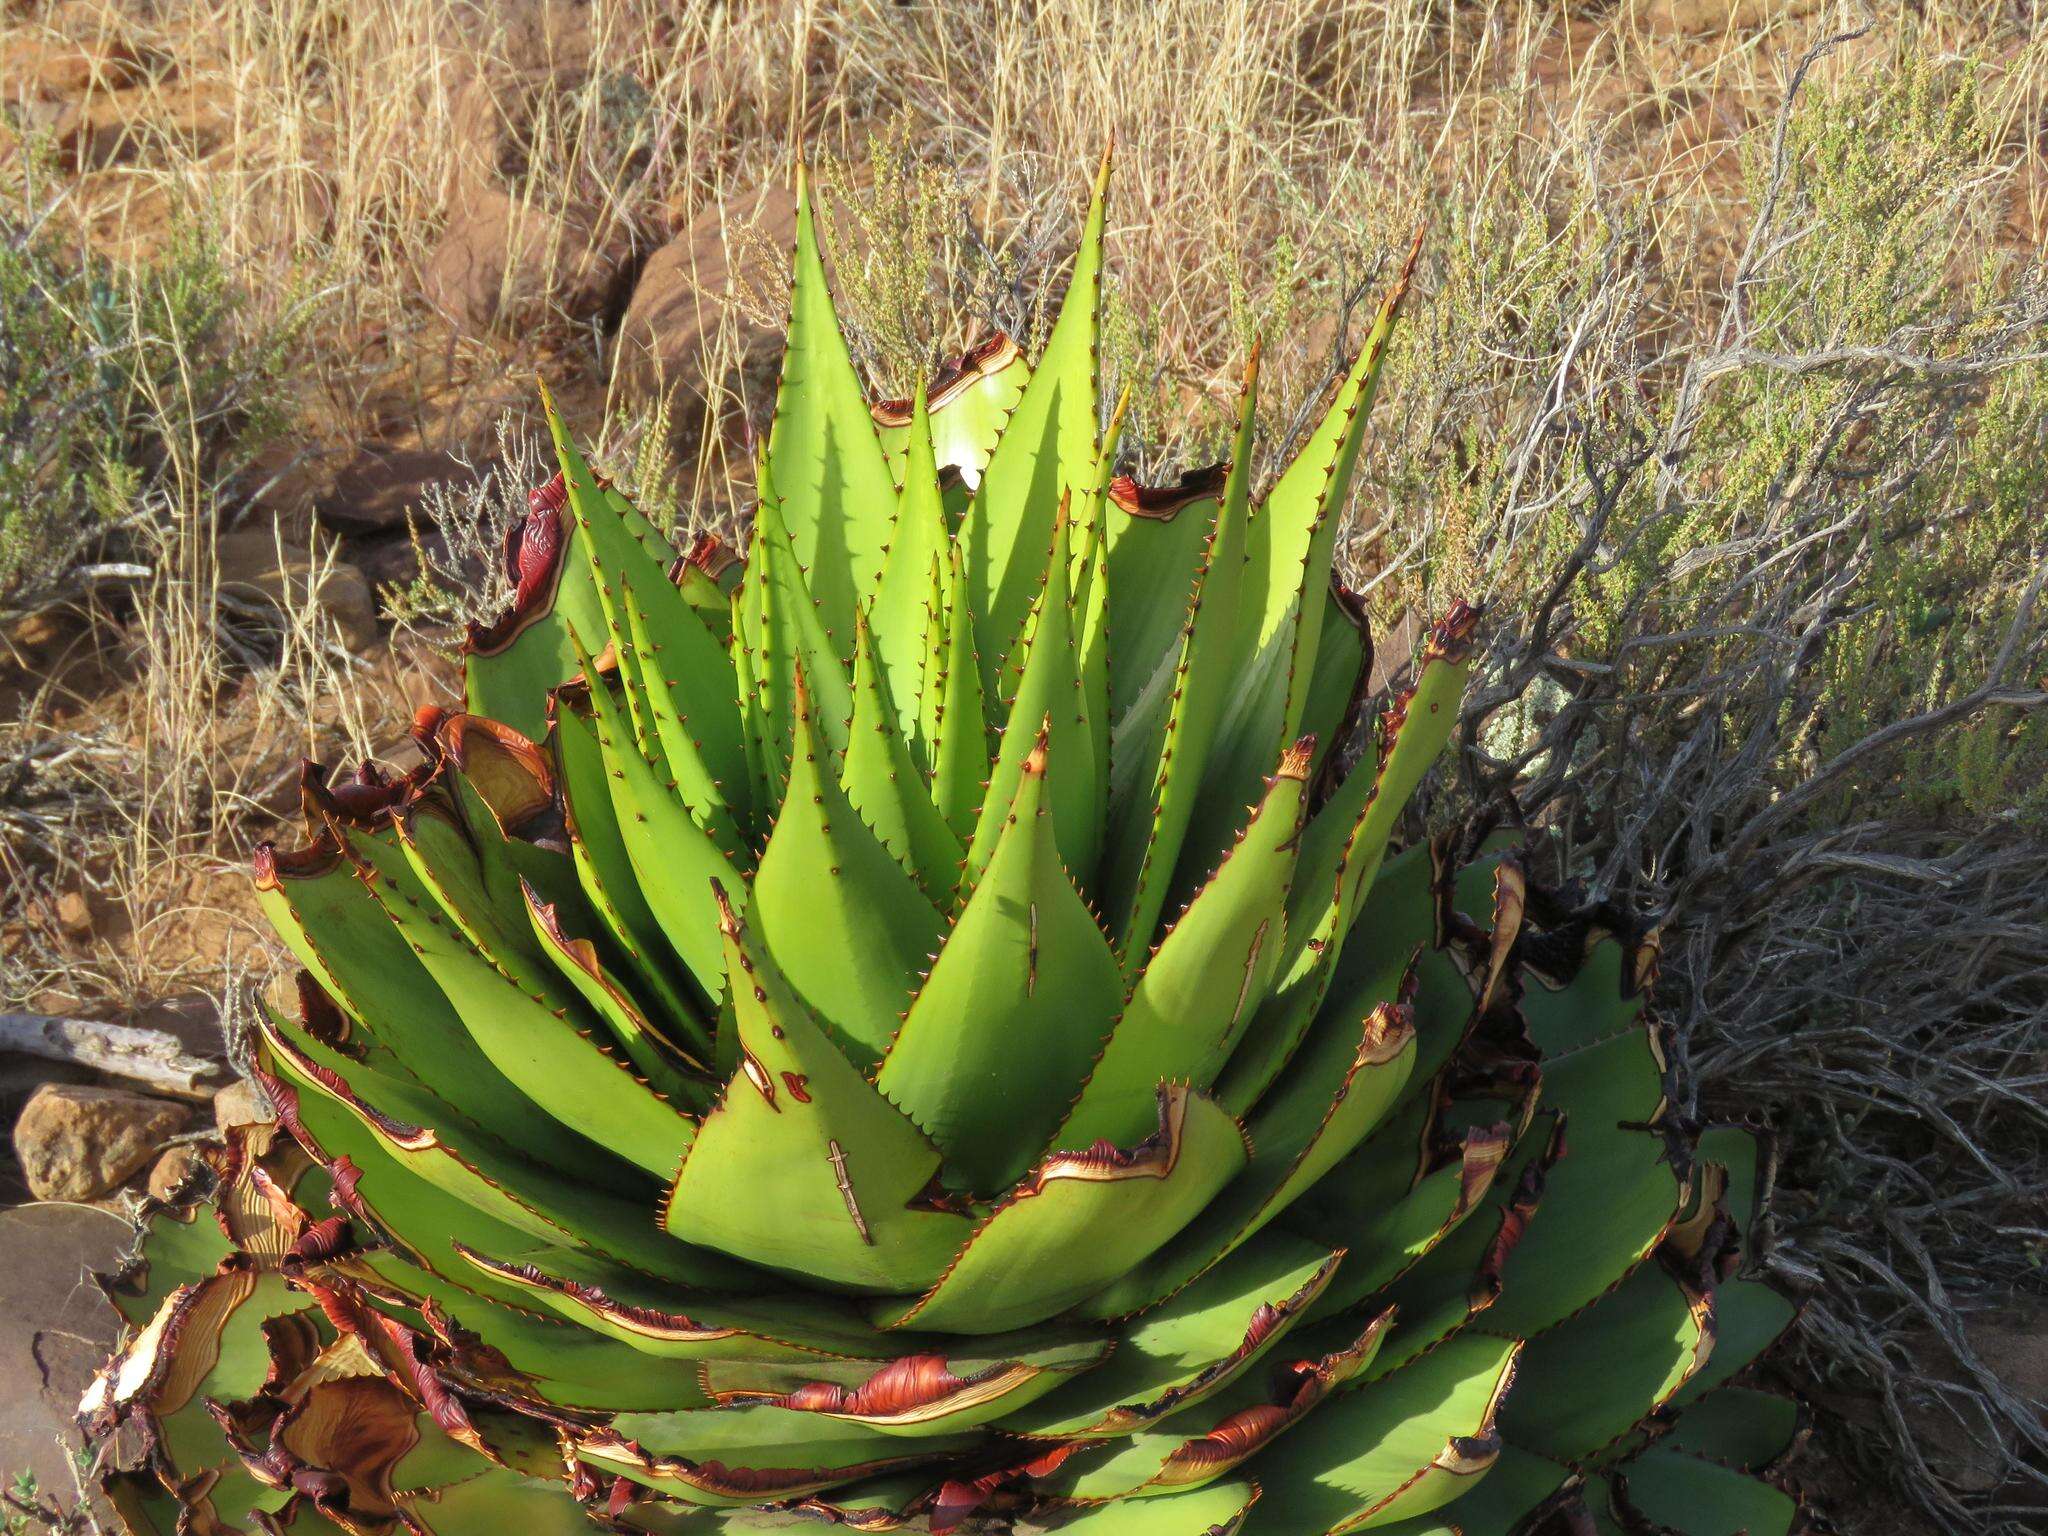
pixel 927 1029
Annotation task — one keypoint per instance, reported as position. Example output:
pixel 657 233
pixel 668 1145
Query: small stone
pixel 74 914
pixel 241 1103
pixel 76 1142
pixel 173 1170
pixel 256 565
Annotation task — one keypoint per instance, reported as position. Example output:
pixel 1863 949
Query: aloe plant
pixel 929 1031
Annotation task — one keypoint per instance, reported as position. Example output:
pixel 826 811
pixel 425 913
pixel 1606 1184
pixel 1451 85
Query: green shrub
pixel 122 390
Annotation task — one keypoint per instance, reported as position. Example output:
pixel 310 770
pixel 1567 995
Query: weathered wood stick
pixel 148 1056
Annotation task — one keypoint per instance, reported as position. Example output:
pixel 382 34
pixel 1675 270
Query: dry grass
pixel 1658 382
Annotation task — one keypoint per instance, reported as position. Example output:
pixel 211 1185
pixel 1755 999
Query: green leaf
pixel 883 783
pixel 1217 1509
pixel 790 637
pixel 1199 990
pixel 674 860
pixel 1343 672
pixel 1016 1007
pixel 1606 1205
pixel 554 1364
pixel 845 923
pixel 1346 1083
pixel 1692 1497
pixel 957 726
pixel 333 920
pixel 747 1453
pixel 1741 1427
pixel 1242 1422
pixel 1171 759
pixel 1049 700
pixel 605 871
pixel 1651 1334
pixel 1413 733
pixel 676 1076
pixel 1498 1506
pixel 803 1166
pixel 1391 1202
pixel 1081 1219
pixel 901 616
pixel 1155 542
pixel 1400 1447
pixel 969 404
pixel 435 1145
pixel 686 683
pixel 836 493
pixel 1286 584
pixel 1046 454
pixel 815 1335
pixel 1749 1317
pixel 562 1068
pixel 1179 1354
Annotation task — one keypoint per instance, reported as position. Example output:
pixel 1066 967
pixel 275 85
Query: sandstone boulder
pixel 55 1330
pixel 504 262
pixel 76 1142
pixel 686 293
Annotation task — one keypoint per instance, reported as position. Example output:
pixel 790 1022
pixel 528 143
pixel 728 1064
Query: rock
pixel 173 1170
pixel 2015 1344
pixel 394 561
pixel 109 128
pixel 685 292
pixel 373 493
pixel 256 565
pixel 20 1079
pixel 1727 17
pixel 477 130
pixel 505 263
pixel 55 1330
pixel 45 630
pixel 74 914
pixel 241 1103
pixel 76 1142
pixel 192 1018
pixel 53 68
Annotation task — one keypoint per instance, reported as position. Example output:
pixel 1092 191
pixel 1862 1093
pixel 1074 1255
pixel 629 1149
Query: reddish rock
pixel 74 914
pixel 53 67
pixel 172 1171
pixel 685 292
pixel 373 493
pixel 55 1331
pixel 502 262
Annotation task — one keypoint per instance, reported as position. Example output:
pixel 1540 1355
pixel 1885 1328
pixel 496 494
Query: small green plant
pixel 120 388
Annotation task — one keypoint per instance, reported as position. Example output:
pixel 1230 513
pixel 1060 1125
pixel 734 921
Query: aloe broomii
pixel 922 1029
